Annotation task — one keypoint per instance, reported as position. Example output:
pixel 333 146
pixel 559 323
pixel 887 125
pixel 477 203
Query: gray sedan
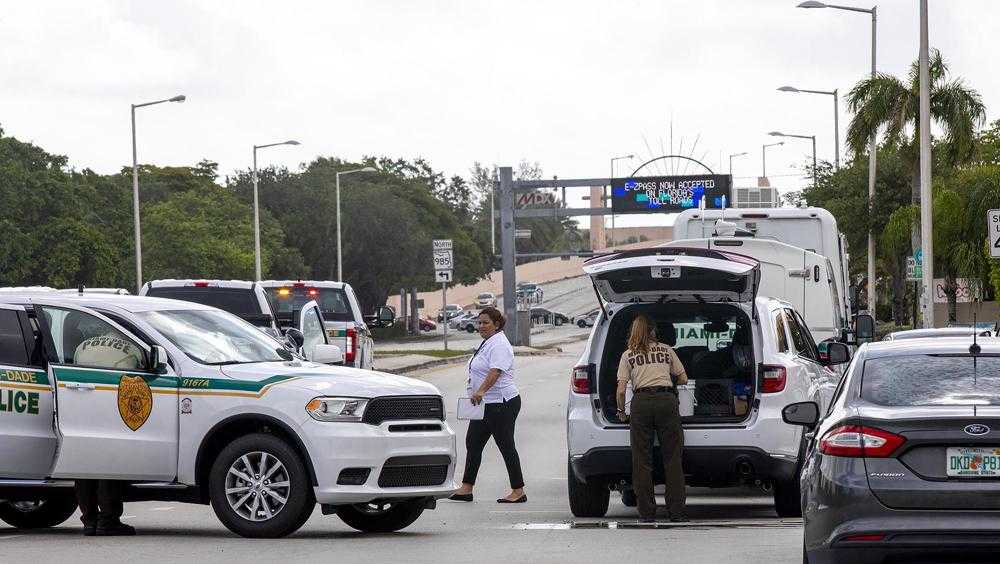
pixel 907 460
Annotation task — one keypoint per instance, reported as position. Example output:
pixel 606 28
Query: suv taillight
pixel 857 441
pixel 581 379
pixel 352 346
pixel 772 379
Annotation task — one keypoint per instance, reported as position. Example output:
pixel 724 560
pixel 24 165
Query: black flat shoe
pixel 679 519
pixel 522 499
pixel 115 530
pixel 89 530
pixel 461 497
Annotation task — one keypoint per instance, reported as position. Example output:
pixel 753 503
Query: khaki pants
pixel 657 412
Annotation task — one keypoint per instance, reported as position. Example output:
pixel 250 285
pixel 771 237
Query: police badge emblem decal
pixel 135 401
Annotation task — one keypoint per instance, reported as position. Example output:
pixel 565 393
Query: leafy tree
pixel 885 101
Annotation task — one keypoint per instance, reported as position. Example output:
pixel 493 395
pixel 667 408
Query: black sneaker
pixel 89 530
pixel 116 530
pixel 679 519
pixel 648 520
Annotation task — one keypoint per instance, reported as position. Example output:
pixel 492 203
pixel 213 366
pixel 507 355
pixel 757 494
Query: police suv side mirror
pixel 836 353
pixel 803 413
pixel 327 354
pixel 295 337
pixel 158 359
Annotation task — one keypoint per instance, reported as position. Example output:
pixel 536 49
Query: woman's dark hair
pixel 495 316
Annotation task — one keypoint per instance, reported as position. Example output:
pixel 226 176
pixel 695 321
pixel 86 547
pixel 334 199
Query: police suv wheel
pixel 39 514
pixel 581 324
pixel 470 328
pixel 787 499
pixel 260 488
pixel 590 499
pixel 381 516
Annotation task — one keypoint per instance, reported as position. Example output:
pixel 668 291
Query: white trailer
pixel 802 278
pixel 812 229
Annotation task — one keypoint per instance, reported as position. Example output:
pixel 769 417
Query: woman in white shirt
pixel 491 380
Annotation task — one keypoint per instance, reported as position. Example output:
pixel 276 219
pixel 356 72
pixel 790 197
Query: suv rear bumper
pixel 703 466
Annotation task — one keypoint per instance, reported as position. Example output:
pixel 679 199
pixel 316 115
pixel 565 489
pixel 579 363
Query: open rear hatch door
pixel 679 274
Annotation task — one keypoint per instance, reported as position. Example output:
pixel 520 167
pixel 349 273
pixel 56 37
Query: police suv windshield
pixel 214 337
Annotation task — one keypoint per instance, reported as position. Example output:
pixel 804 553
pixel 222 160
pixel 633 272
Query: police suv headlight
pixel 337 409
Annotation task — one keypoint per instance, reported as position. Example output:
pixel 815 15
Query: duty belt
pixel 656 390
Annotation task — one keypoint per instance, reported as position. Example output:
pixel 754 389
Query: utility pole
pixel 507 252
pixel 926 202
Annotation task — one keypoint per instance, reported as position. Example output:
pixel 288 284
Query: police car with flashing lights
pixel 189 403
pixel 345 326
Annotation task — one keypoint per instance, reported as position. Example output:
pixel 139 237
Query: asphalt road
pixel 726 526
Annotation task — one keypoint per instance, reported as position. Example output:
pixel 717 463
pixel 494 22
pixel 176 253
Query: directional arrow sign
pixel 442 276
pixel 993 225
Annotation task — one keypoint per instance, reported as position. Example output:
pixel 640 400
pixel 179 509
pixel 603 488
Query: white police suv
pixel 746 357
pixel 189 403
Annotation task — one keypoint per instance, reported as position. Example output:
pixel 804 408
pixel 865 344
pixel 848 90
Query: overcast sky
pixel 568 84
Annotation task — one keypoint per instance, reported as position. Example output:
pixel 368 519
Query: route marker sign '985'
pixel 993 225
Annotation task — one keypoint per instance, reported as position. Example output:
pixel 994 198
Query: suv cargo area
pixel 714 343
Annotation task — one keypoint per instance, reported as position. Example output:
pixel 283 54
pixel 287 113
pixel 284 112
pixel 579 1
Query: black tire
pixel 581 324
pixel 590 499
pixel 299 495
pixel 557 321
pixel 40 514
pixel 470 328
pixel 629 499
pixel 788 499
pixel 381 517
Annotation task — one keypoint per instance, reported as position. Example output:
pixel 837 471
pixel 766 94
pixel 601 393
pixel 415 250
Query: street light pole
pixel 135 191
pixel 836 117
pixel 872 149
pixel 926 211
pixel 731 160
pixel 763 156
pixel 340 254
pixel 810 137
pixel 256 208
pixel 603 204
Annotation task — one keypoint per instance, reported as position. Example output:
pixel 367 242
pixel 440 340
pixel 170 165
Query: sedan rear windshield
pixel 926 380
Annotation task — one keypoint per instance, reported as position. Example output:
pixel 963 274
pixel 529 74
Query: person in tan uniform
pixel 654 371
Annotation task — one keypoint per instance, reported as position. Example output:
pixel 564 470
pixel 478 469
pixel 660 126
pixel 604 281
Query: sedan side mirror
pixel 836 353
pixel 295 337
pixel 803 413
pixel 327 354
pixel 158 359
pixel 864 328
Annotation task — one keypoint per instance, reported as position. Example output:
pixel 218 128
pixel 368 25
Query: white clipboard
pixel 470 412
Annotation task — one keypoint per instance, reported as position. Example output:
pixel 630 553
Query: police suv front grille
pixel 403 408
pixel 413 471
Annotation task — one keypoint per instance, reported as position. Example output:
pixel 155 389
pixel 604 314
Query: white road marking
pixel 162 509
pixel 10 537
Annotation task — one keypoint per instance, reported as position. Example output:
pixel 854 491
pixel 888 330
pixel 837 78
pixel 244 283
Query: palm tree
pixel 884 101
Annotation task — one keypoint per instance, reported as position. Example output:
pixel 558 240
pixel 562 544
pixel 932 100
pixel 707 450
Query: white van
pixel 812 229
pixel 802 278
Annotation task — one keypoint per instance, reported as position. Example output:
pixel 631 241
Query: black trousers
pixel 100 502
pixel 497 423
pixel 657 413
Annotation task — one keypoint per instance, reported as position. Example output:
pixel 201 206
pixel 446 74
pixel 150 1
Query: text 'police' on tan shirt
pixel 653 368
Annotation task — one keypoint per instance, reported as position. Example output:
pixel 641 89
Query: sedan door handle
pixel 80 386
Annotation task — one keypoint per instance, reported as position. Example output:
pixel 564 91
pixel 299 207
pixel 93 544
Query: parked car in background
pixel 345 325
pixel 587 319
pixel 427 325
pixel 486 299
pixel 543 315
pixel 938 332
pixel 903 466
pixel 530 291
pixel 449 311
pixel 466 321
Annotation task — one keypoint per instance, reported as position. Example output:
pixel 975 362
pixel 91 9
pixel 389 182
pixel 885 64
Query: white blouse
pixel 495 352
